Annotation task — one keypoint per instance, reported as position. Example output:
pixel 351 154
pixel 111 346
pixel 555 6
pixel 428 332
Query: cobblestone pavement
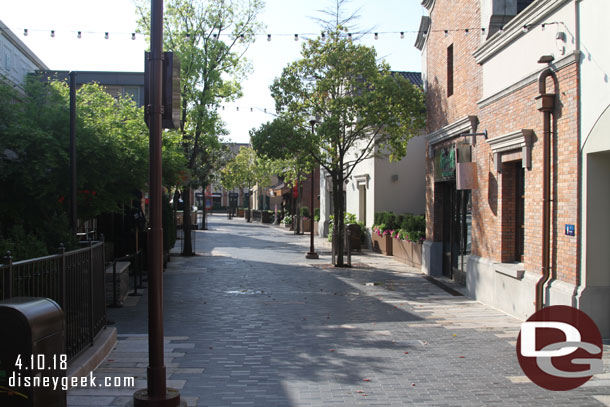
pixel 251 322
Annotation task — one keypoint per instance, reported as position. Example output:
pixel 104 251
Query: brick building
pixel 486 64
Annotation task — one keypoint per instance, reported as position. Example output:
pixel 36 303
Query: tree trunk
pixel 339 216
pixel 297 218
pixel 249 216
pixel 187 248
pixel 203 223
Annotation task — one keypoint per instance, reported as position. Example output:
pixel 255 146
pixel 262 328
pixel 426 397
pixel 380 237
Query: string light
pixel 323 35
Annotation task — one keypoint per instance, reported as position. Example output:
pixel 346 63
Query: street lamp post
pixel 312 253
pixel 157 394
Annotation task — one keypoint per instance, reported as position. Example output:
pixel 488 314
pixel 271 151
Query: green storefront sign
pixel 444 164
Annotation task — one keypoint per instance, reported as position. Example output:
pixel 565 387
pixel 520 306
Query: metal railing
pixel 75 280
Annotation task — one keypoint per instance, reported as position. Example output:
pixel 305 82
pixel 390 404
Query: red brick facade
pixel 494 230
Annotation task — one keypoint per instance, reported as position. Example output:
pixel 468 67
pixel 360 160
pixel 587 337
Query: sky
pixel 282 19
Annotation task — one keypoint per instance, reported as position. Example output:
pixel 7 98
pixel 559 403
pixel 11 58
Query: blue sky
pixel 120 53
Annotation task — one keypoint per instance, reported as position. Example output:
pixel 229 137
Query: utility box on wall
pixel 33 355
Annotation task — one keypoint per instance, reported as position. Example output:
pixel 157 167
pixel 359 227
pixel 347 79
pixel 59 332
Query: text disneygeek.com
pixel 16 380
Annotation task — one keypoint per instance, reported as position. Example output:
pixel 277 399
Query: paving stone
pixel 250 321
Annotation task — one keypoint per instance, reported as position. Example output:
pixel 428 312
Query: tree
pixel 112 153
pixel 365 110
pixel 288 143
pixel 209 38
pixel 246 170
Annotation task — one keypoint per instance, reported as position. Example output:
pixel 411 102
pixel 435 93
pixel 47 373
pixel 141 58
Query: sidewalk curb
pixel 90 359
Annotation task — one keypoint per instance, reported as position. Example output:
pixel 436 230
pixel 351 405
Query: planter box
pixel 408 252
pixel 287 225
pixel 305 223
pixel 382 244
pixel 240 212
pixel 315 228
pixel 266 217
pixel 121 285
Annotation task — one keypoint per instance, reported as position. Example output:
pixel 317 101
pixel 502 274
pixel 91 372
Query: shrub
pixel 305 211
pixel 316 214
pixel 287 220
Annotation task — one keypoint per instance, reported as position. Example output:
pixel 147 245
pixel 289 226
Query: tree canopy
pixel 112 159
pixel 210 39
pixel 364 109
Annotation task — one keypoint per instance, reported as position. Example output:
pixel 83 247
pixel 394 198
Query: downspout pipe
pixel 545 103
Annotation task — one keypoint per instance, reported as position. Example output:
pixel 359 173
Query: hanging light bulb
pixel 349 36
pixel 25 32
pixel 466 31
pixel 133 36
pixel 446 33
pixel 525 28
pixel 251 109
pixel 79 35
pixel 501 29
pixel 188 35
pixel 53 33
pixel 215 36
pixel 106 36
pixel 376 36
pixel 268 37
pixel 323 35
pixel 543 26
pixel 296 37
pixel 402 35
pixel 242 37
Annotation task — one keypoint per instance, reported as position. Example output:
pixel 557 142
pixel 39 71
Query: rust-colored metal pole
pixel 312 253
pixel 157 393
pixel 73 214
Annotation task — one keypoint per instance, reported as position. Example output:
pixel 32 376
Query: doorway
pixel 456 230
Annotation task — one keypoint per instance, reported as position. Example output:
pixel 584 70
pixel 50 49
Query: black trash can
pixel 33 360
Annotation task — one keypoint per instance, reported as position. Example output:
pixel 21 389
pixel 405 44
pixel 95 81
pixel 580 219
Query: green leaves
pixel 112 154
pixel 210 39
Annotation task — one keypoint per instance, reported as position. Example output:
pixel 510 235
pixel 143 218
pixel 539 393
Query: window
pixel 513 211
pixel 522 4
pixel 450 70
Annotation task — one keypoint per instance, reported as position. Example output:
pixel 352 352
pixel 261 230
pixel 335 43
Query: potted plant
pixel 408 240
pixel 287 221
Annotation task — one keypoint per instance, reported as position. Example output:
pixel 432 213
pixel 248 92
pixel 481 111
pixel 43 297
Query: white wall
pixel 519 58
pixel 406 194
pixel 16 60
pixel 595 64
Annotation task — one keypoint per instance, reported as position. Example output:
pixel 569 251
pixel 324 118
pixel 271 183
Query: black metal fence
pixel 75 280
